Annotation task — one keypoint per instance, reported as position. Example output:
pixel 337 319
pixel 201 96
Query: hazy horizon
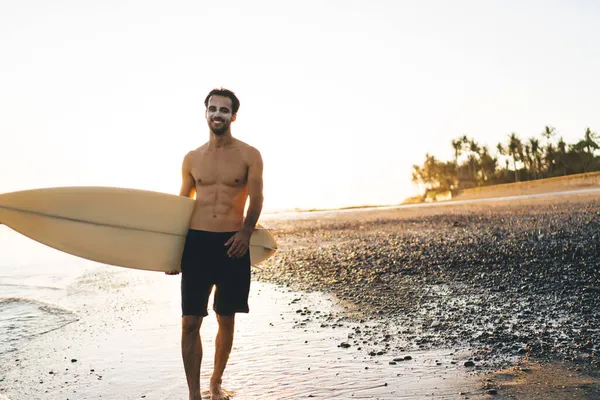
pixel 340 97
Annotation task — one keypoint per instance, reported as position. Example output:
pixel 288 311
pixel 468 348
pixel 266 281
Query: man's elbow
pixel 188 193
pixel 256 199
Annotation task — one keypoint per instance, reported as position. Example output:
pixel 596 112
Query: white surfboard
pixel 123 227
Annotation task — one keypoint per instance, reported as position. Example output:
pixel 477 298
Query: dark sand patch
pixel 536 380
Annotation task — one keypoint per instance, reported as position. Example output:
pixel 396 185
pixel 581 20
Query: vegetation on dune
pixel 515 160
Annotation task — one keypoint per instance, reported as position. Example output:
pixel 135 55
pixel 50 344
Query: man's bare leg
pixel 223 345
pixel 191 350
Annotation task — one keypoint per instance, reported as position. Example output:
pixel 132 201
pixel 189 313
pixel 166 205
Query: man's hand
pixel 238 243
pixel 172 273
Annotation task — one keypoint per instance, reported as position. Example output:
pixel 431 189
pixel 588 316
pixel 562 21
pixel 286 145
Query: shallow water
pixel 33 277
pixel 24 319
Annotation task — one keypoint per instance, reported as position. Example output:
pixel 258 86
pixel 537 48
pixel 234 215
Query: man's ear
pixel 233 117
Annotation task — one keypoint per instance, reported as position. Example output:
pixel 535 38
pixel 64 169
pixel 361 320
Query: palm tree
pixel 521 152
pixel 562 154
pixel 474 147
pixel 457 145
pixel 488 164
pixel 503 151
pixel 535 155
pixel 473 157
pixel 588 145
pixel 465 143
pixel 515 151
pixel 550 159
pixel 549 131
pixel 472 162
pixel 527 160
pixel 500 149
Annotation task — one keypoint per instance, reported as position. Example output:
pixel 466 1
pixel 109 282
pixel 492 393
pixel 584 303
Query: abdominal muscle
pixel 219 208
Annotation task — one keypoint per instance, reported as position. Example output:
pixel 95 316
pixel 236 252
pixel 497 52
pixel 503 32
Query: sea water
pixel 33 278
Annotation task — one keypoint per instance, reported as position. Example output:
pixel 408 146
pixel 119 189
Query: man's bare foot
pixel 217 393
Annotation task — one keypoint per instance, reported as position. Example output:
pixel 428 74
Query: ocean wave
pixel 21 285
pixel 22 319
pixel 53 308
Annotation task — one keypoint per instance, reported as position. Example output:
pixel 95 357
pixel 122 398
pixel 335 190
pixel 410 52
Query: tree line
pixel 514 160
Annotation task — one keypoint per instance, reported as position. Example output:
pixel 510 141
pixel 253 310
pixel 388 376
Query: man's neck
pixel 220 141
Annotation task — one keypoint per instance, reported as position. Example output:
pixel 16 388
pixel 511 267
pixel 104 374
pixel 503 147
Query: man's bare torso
pixel 220 181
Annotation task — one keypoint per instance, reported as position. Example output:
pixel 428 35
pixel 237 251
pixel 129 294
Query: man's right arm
pixel 188 187
pixel 188 183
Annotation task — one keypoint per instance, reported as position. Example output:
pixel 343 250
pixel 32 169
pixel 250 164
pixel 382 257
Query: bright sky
pixel 341 97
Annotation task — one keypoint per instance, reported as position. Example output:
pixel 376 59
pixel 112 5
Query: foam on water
pixel 23 319
pixel 33 280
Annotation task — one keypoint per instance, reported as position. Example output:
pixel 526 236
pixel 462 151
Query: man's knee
pixel 226 321
pixel 190 324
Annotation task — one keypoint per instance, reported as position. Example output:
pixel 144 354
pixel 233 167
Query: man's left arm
pixel 240 241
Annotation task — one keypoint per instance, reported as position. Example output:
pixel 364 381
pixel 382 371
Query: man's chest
pixel 228 169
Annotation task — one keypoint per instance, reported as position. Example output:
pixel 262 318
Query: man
pixel 223 173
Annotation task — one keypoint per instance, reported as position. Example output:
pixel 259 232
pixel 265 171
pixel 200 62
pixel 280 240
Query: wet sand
pixel 125 345
pixel 545 380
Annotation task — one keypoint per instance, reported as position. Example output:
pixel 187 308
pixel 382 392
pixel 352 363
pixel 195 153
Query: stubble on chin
pixel 217 131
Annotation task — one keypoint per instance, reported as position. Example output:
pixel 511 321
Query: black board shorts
pixel 205 264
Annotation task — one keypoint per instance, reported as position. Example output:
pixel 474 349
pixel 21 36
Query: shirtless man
pixel 223 173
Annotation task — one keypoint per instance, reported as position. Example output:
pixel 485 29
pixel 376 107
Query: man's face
pixel 219 114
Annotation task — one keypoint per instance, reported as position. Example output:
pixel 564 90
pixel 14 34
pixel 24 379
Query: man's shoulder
pixel 198 150
pixel 246 148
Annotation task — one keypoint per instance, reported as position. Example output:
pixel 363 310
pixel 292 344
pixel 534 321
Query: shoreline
pixel 513 197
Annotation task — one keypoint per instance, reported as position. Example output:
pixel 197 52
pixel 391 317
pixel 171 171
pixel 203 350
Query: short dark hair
pixel 235 103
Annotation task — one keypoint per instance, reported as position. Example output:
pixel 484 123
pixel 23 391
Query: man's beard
pixel 219 131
